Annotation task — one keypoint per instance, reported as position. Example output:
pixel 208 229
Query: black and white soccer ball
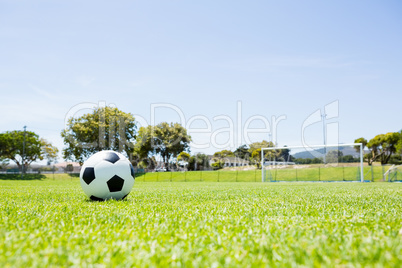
pixel 107 175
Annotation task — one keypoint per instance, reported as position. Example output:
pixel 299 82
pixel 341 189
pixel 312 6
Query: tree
pixel 224 154
pixel 105 128
pixel 256 157
pixel 69 168
pixel 217 164
pixel 368 157
pixel 361 140
pixel 144 144
pixel 381 147
pixel 284 155
pixel 183 156
pixel 198 162
pixel 3 163
pixel 220 158
pixel 255 151
pixel 258 145
pixel 148 162
pixel 349 159
pixel 242 152
pixel 167 140
pixel 334 156
pixel 49 151
pixel 12 147
pixel 306 161
pixel 398 146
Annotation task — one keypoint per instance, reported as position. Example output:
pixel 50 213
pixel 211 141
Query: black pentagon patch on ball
pixel 111 157
pixel 94 198
pixel 89 175
pixel 132 170
pixel 115 184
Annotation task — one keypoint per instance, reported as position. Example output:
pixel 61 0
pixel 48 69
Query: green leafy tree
pixel 105 128
pixel 398 146
pixel 256 157
pixel 255 152
pixel 217 164
pixel 361 140
pixel 49 152
pixel 69 168
pixel 334 156
pixel 349 159
pixel 148 163
pixel 219 158
pixel 3 163
pixel 367 157
pixel 167 140
pixel 242 152
pixel 381 147
pixel 11 147
pixel 306 161
pixel 198 161
pixel 258 145
pixel 183 156
pixel 396 159
pixel 144 144
pixel 284 155
pixel 223 154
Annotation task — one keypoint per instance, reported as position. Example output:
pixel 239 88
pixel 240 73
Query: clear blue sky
pixel 278 58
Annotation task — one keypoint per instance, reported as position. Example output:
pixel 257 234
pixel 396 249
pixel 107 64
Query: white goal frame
pixel 315 146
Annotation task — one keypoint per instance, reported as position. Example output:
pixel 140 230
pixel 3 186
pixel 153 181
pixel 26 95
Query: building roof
pixel 64 164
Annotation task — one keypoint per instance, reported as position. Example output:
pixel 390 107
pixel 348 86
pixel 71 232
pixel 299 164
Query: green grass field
pixel 46 222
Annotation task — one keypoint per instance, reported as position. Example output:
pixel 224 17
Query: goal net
pixel 341 162
pixel 394 174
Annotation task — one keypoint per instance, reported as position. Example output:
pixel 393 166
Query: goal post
pixel 394 174
pixel 337 162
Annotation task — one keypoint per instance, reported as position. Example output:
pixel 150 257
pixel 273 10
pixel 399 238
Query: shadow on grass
pixel 99 200
pixel 74 175
pixel 26 177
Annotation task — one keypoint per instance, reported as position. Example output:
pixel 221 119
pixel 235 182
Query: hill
pixel 347 150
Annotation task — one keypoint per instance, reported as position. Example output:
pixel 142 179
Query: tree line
pixel 108 128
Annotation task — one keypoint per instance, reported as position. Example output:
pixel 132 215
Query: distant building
pixel 278 163
pixel 62 167
pixel 231 162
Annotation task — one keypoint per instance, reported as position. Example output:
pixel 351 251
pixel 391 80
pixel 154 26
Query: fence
pixel 374 173
pixel 208 175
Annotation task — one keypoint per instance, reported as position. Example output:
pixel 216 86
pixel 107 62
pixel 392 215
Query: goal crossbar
pixel 310 147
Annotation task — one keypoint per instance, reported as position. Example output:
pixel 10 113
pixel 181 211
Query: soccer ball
pixel 107 175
